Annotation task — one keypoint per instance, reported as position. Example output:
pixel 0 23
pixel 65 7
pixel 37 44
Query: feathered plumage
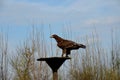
pixel 66 45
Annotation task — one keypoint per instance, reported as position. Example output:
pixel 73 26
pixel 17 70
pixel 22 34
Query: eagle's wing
pixel 67 44
pixel 70 44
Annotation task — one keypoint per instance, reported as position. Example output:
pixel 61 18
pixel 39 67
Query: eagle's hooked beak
pixel 51 36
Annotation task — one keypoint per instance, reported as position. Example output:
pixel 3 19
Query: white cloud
pixel 103 21
pixel 22 13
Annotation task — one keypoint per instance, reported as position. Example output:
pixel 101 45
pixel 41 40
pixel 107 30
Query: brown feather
pixel 66 45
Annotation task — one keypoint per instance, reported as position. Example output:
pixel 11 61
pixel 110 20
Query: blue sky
pixel 83 16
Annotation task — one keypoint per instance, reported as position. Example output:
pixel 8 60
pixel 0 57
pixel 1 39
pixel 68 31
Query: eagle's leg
pixel 63 52
pixel 67 53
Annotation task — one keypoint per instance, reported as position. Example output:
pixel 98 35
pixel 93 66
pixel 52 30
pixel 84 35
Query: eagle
pixel 66 45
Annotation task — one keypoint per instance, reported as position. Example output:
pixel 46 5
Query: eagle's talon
pixel 63 55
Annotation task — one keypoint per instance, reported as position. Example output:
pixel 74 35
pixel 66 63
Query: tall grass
pixel 3 56
pixel 95 64
pixel 92 63
pixel 24 63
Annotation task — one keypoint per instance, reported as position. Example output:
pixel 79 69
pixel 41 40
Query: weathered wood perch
pixel 54 63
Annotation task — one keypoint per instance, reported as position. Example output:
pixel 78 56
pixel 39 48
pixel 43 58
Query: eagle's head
pixel 53 36
pixel 56 37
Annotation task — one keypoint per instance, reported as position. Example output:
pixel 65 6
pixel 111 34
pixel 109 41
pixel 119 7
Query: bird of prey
pixel 66 45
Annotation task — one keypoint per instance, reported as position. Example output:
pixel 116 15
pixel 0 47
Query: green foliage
pixel 21 64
